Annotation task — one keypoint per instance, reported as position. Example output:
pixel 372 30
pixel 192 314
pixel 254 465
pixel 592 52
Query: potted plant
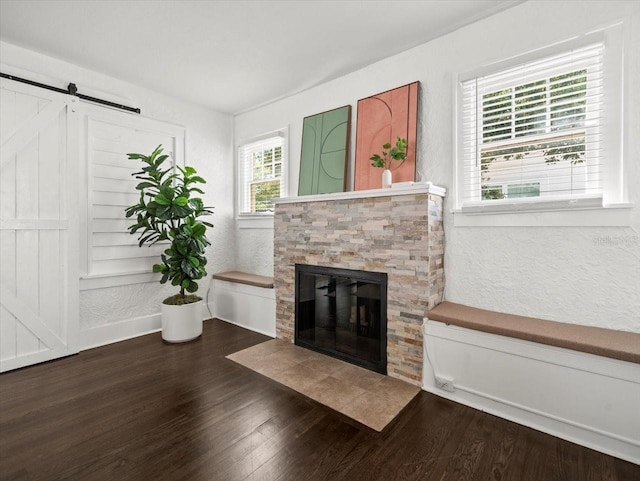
pixel 390 153
pixel 168 210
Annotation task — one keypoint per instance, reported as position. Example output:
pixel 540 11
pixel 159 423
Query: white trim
pixel 611 216
pixel 34 358
pixel 400 189
pixel 240 167
pixel 614 189
pixel 264 332
pixel 93 116
pixel 257 221
pixel 119 331
pixel 34 224
pixel 534 55
pixel 117 279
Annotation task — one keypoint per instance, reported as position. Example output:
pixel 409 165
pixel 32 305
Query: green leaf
pixel 386 146
pixel 181 201
pixel 161 199
pixel 194 261
pixel 198 230
pixel 144 185
pixel 167 191
pixel 158 268
pixel 185 283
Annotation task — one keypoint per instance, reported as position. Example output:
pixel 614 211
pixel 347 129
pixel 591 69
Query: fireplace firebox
pixel 342 313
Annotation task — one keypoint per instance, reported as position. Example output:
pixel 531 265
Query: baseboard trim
pixel 119 331
pixel 244 326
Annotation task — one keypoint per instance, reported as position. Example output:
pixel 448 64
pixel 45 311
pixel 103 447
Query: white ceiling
pixel 231 55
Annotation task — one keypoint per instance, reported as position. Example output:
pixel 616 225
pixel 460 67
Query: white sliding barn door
pixel 38 228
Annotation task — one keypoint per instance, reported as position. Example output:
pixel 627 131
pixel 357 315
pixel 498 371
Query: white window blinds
pixel 533 130
pixel 262 169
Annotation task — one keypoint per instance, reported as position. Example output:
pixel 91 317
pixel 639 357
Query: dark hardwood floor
pixel 143 410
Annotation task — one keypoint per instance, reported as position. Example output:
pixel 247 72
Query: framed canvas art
pixel 383 118
pixel 325 147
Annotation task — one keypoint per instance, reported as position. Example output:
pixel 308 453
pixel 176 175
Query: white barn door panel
pixel 38 231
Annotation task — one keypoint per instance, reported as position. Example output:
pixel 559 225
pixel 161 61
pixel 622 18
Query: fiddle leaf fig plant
pixel 169 209
pixel 396 152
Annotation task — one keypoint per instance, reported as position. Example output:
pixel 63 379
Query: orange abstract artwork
pixel 383 118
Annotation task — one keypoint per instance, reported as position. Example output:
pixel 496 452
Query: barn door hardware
pixel 72 89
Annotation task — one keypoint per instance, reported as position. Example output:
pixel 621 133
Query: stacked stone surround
pixel 401 235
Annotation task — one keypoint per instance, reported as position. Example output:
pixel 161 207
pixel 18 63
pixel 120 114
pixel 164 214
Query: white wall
pixel 586 275
pixel 110 313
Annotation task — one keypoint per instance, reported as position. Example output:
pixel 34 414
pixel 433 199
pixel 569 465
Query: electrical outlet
pixel 446 384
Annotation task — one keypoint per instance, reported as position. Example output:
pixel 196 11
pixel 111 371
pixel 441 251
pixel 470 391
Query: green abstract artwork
pixel 325 147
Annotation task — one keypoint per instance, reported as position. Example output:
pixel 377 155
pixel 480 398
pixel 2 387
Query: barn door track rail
pixel 72 89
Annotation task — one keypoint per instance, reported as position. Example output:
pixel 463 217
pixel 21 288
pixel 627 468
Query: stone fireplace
pixel 395 231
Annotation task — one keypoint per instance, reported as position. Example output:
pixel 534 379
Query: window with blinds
pixel 532 132
pixel 262 168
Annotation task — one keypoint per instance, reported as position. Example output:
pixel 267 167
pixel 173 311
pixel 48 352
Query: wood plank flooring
pixel 142 410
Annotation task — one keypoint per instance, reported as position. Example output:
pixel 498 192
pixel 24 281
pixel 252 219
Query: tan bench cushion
pixel 244 278
pixel 594 340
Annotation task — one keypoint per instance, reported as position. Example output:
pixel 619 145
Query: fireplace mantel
pixel 398 189
pixel 397 231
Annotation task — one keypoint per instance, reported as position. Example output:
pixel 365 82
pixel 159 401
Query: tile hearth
pixel 368 397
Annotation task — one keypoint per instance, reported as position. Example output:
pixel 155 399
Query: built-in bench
pixel 594 340
pixel 576 382
pixel 245 299
pixel 245 278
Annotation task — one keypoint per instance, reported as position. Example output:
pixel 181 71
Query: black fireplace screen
pixel 343 313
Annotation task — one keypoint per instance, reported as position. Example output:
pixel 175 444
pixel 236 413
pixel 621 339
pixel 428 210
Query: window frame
pixel 259 219
pixel 94 118
pixel 614 193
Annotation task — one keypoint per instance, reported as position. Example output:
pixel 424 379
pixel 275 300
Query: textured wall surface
pixel 400 235
pixel 583 275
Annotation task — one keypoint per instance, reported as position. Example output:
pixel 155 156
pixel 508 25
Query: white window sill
pixel 101 281
pixel 255 221
pixel 616 215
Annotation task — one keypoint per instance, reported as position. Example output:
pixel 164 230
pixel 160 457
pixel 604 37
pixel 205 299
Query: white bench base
pixel 586 399
pixel 244 305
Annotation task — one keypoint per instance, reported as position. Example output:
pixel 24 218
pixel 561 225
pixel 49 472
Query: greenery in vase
pixel 396 152
pixel 168 210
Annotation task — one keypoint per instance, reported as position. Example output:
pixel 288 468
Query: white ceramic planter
pixel 182 323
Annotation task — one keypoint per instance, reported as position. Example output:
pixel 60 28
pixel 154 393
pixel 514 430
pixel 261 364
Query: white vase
pixel 387 178
pixel 182 323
